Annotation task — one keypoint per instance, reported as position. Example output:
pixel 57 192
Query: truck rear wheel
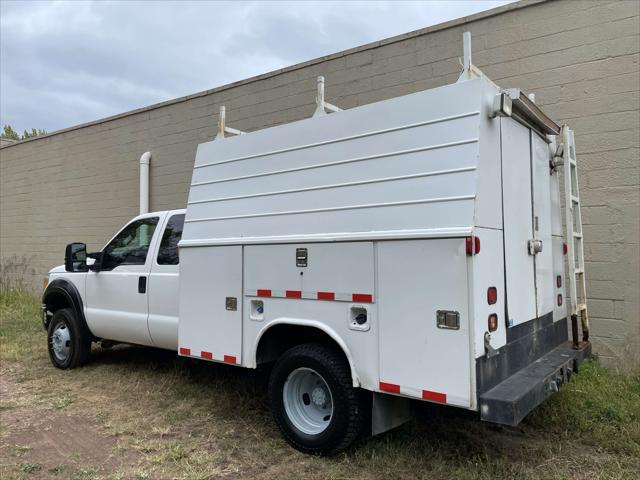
pixel 313 400
pixel 68 346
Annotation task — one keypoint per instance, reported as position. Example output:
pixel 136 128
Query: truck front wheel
pixel 68 346
pixel 313 400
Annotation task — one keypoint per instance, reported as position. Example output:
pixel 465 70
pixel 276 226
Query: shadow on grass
pixel 452 433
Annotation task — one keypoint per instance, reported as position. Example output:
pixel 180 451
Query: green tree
pixel 11 134
pixel 33 133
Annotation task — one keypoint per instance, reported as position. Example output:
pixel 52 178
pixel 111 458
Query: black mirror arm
pixel 97 265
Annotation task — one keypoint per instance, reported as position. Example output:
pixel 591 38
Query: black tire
pixel 346 421
pixel 78 343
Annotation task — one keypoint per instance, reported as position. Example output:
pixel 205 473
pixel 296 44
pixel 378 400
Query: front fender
pixel 63 292
pixel 312 324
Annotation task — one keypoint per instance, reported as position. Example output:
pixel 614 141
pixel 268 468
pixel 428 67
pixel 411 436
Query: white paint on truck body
pixel 369 210
pixel 382 197
pixel 401 168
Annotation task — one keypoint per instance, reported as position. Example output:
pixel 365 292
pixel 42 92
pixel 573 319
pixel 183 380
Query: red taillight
pixel 473 245
pixel 492 295
pixel 565 248
pixel 559 299
pixel 493 322
pixel 559 281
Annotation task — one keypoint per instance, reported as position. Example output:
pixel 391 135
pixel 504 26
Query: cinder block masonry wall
pixel 579 57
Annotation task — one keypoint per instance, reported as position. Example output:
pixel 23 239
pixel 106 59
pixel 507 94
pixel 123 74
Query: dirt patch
pixel 44 442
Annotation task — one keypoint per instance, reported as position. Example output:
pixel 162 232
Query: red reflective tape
pixel 434 396
pixel 207 355
pixel 389 387
pixel 326 296
pixel 230 359
pixel 264 293
pixel 185 351
pixel 293 294
pixel 362 297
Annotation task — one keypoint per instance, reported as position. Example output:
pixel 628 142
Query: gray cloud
pixel 64 63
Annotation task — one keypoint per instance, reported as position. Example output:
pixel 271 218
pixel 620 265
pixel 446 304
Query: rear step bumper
pixel 511 400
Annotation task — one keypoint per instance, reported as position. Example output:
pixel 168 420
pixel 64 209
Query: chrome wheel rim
pixel 308 401
pixel 61 342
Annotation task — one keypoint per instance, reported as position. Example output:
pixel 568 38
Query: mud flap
pixel 388 412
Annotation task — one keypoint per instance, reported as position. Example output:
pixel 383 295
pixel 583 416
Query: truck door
pixel 116 299
pixel 518 222
pixel 542 224
pixel 164 283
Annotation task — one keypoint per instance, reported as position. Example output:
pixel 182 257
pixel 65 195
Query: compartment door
pixel 542 225
pixel 518 222
pixel 210 311
pixel 417 358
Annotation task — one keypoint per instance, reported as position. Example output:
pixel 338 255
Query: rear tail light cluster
pixel 493 322
pixel 565 248
pixel 559 285
pixel 492 295
pixel 492 298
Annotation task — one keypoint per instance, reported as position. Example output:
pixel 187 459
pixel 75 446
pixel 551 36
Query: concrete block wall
pixel 579 57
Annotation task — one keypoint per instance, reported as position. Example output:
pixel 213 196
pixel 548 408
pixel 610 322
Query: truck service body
pixel 413 247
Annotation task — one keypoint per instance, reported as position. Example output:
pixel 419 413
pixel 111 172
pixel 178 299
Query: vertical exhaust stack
pixel 145 159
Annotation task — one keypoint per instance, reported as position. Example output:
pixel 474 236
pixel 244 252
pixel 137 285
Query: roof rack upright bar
pixel 321 105
pixel 466 48
pixel 222 128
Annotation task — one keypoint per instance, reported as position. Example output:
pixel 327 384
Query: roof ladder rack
pixel 573 237
pixel 222 127
pixel 322 107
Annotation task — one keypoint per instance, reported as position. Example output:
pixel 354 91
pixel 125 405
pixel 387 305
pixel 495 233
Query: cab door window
pixel 131 245
pixel 168 252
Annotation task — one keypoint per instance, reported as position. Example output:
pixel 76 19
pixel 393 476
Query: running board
pixel 510 401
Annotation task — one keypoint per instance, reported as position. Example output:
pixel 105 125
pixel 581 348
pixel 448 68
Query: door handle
pixel 142 284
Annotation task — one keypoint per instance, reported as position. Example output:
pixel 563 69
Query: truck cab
pixel 126 292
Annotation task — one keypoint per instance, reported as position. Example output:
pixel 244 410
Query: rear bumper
pixel 512 399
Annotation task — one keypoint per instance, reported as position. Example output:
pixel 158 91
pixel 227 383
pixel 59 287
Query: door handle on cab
pixel 142 284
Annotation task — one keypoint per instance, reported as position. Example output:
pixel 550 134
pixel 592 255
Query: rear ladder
pixel 574 238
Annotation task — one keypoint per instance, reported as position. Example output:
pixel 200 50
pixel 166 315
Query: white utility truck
pixel 410 249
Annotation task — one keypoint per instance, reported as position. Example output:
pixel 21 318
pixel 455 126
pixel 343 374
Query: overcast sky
pixel 65 63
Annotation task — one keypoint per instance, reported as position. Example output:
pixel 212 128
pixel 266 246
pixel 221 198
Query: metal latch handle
pixel 535 246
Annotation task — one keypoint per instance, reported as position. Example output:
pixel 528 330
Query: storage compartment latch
pixel 535 247
pixel 448 319
pixel 301 257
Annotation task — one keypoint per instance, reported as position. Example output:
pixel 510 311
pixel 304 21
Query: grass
pixel 166 417
pixel 30 467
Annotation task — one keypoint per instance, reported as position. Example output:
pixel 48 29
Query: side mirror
pixel 75 257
